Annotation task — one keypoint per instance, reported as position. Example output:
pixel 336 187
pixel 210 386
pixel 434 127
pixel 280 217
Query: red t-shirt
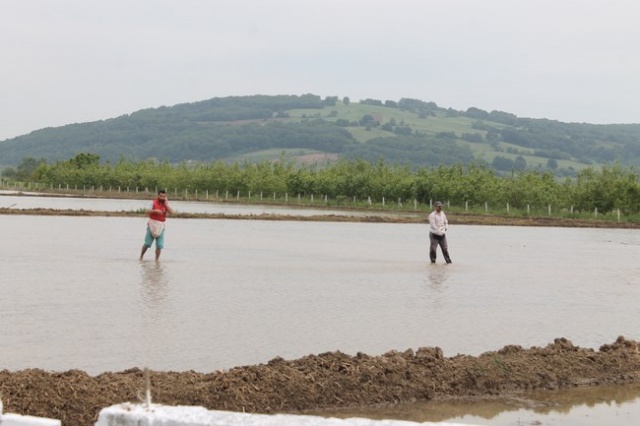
pixel 157 205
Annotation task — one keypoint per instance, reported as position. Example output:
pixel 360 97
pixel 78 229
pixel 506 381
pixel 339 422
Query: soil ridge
pixel 326 381
pixel 373 217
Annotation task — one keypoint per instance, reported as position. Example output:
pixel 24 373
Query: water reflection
pixel 436 286
pixel 565 401
pixel 438 275
pixel 153 287
pixel 154 308
pixel 561 407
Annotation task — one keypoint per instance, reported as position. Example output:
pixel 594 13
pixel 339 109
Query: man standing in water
pixel 438 225
pixel 155 226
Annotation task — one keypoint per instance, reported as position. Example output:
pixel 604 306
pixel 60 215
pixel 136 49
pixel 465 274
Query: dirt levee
pixel 327 380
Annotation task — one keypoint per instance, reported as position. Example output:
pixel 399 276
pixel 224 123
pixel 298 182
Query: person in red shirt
pixel 155 226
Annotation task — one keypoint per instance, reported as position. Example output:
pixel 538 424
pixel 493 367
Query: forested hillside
pixel 409 132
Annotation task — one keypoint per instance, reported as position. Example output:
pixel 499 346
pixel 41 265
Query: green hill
pixel 308 128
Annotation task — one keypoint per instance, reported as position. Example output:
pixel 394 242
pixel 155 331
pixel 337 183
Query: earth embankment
pixel 326 381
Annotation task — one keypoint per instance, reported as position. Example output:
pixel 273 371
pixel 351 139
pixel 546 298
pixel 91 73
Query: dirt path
pixel 328 380
pixel 376 216
pixel 379 217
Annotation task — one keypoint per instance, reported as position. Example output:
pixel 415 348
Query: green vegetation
pixel 407 132
pixel 336 150
pixel 605 190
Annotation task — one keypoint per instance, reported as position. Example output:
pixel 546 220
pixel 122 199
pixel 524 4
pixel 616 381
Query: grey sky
pixel 71 61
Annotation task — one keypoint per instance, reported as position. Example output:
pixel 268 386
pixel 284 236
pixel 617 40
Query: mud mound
pixel 375 217
pixel 328 380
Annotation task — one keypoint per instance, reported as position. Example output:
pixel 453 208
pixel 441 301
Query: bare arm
pixel 151 210
pixel 167 206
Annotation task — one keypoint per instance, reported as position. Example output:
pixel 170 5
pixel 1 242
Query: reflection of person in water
pixel 154 283
pixel 158 324
pixel 438 226
pixel 438 277
pixel 153 298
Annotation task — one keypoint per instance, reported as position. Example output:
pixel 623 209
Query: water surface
pixel 225 293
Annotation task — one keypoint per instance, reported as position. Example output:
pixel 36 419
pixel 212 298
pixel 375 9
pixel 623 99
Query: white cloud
pixel 69 61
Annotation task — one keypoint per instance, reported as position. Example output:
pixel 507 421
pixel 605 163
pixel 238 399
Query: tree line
pixel 613 187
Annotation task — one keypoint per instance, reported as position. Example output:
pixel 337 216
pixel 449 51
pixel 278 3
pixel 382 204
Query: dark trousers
pixel 440 240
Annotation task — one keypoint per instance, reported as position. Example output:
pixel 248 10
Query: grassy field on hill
pixel 431 125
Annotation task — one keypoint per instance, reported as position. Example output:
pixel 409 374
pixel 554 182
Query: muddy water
pixel 73 294
pixel 602 406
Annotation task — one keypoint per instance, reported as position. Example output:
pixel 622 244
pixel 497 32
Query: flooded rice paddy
pixel 73 294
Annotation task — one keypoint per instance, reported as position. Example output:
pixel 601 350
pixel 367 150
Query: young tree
pixel 27 168
pixel 519 164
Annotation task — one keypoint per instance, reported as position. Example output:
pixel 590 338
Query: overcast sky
pixel 72 61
